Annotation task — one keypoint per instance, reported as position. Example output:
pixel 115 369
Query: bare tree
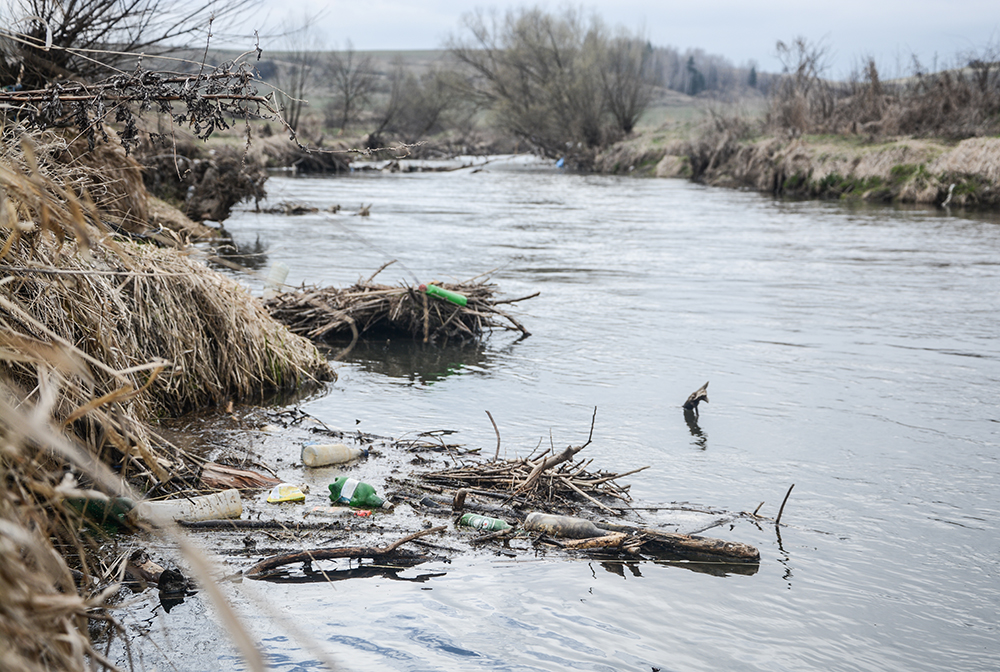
pixel 802 98
pixel 46 40
pixel 415 106
pixel 386 117
pixel 540 74
pixel 293 78
pixel 425 100
pixel 626 83
pixel 353 80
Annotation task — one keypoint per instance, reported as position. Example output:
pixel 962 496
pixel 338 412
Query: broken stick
pixel 553 460
pixel 276 561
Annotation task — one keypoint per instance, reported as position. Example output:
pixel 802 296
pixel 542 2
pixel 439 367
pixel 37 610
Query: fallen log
pixel 269 564
pixel 141 568
pixel 685 544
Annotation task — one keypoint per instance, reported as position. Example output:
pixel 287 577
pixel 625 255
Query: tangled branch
pixel 211 101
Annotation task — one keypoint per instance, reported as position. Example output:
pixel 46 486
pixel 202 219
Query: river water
pixel 851 350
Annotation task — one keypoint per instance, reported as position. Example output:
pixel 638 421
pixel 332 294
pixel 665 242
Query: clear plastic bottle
pixel 322 454
pixel 225 504
pixel 483 522
pixel 347 490
pixel 562 526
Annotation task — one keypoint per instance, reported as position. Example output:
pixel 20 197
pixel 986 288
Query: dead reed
pixel 99 336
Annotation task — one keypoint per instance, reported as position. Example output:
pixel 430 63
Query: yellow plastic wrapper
pixel 285 492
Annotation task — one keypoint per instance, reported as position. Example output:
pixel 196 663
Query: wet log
pixel 689 544
pixel 685 544
pixel 272 563
pixel 696 397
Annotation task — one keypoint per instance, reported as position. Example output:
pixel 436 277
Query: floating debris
pixel 368 309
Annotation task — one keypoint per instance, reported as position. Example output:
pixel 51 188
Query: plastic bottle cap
pixel 423 288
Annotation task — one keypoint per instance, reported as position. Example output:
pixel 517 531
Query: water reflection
pixel 365 572
pixel 231 251
pixel 712 567
pixel 700 437
pixel 417 362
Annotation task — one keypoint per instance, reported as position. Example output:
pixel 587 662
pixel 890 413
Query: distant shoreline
pixel 902 170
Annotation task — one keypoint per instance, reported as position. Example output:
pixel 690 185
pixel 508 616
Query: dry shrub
pixel 720 140
pixel 953 104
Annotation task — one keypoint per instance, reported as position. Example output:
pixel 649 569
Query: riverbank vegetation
pixel 607 100
pixel 110 319
pixel 926 138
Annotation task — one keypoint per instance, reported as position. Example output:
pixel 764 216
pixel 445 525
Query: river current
pixel 851 350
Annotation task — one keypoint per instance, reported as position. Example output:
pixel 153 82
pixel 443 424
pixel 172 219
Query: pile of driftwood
pixel 556 481
pixel 551 479
pixel 368 309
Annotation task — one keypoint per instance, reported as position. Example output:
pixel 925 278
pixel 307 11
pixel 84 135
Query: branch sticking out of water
pixel 777 521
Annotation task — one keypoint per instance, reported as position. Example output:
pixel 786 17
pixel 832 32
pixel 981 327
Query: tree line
pixel 562 83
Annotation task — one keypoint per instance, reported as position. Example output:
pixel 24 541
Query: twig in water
pixel 497 455
pixel 777 521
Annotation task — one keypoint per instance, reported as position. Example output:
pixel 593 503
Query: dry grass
pixel 99 336
pixel 976 156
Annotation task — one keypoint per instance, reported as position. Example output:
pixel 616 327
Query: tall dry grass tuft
pixel 99 336
pixel 46 611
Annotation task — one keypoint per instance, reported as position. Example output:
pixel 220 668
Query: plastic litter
pixel 562 526
pixel 322 454
pixel 285 492
pixel 334 511
pixel 225 504
pixel 446 294
pixel 351 491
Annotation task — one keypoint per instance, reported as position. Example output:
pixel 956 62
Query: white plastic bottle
pixel 322 454
pixel 225 504
pixel 275 279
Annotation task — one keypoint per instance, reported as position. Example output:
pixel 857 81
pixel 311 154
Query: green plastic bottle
pixel 108 513
pixel 483 522
pixel 346 490
pixel 446 294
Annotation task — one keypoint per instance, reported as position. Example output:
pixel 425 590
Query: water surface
pixel 851 351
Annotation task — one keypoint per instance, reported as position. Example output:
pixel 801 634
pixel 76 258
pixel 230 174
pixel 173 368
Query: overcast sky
pixel 742 31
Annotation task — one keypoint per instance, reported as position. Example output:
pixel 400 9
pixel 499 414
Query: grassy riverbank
pixel 903 170
pixel 107 324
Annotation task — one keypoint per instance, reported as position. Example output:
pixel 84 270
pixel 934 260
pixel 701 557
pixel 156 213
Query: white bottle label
pixel 347 491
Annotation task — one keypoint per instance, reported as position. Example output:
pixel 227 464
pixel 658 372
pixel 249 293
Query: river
pixel 851 350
